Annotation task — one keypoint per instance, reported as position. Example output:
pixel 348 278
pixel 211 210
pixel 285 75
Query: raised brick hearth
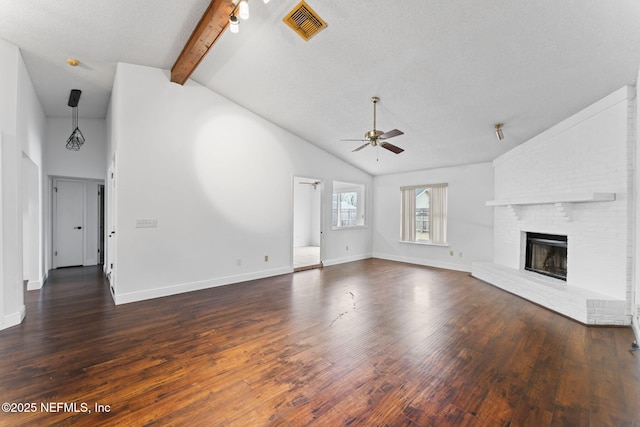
pixel 579 304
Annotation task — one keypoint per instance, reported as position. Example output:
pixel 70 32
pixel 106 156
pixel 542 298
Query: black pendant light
pixel 75 141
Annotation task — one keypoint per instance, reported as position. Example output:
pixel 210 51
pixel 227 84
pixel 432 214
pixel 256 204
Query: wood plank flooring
pixel 368 343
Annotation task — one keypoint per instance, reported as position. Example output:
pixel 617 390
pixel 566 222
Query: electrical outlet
pixel 266 258
pixel 451 252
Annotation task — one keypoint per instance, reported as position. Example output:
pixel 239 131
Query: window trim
pixel 340 187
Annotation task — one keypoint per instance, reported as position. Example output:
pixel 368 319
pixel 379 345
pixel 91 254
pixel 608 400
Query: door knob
pixel 77 228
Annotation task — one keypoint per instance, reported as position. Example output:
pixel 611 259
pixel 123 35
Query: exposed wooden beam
pixel 213 23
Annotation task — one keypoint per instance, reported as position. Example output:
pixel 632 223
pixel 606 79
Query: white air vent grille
pixel 304 21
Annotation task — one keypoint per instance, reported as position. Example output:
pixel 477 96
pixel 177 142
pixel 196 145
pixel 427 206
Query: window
pixel 348 205
pixel 424 213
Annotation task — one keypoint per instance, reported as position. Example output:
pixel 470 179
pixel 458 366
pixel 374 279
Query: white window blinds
pixel 424 213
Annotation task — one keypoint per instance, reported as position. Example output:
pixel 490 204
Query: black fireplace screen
pixel 547 254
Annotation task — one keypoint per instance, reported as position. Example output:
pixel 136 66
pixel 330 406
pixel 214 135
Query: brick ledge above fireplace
pixel 579 304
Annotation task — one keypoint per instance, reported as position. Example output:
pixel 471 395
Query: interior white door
pixel 69 224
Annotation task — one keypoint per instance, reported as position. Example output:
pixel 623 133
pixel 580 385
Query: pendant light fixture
pixel 75 141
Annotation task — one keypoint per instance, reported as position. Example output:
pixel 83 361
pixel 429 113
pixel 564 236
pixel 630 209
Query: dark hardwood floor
pixel 368 343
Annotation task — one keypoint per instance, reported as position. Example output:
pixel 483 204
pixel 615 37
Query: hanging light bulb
pixel 243 9
pixel 499 133
pixel 234 26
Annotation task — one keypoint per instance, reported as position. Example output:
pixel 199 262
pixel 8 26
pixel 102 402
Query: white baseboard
pixel 635 326
pixel 336 261
pixel 34 285
pixel 14 318
pixel 196 286
pixel 425 262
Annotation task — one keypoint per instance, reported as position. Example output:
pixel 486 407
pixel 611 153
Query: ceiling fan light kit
pixel 234 26
pixel 499 133
pixel 243 9
pixel 377 138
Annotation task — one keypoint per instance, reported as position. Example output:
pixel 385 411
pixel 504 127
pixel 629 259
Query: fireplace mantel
pixel 555 198
pixel 562 202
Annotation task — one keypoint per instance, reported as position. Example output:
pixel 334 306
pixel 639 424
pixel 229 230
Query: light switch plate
pixel 146 223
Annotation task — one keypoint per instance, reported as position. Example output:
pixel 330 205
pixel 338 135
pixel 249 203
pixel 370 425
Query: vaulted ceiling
pixel 445 71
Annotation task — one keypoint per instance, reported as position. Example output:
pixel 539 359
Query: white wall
pixel 589 152
pixel 21 129
pixel 470 231
pixel 89 162
pixel 30 133
pixel 217 179
pixel 9 59
pixel 635 322
pixel 11 273
pixel 31 224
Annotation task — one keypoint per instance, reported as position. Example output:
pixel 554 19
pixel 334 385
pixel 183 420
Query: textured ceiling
pixel 446 71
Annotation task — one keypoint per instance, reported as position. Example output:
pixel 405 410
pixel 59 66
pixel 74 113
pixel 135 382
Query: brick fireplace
pixel 573 181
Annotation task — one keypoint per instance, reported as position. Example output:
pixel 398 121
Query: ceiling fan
pixel 314 183
pixel 377 138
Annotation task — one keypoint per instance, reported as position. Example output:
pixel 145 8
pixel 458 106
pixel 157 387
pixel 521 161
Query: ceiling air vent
pixel 304 21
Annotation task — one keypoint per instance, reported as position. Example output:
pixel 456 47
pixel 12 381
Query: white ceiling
pixel 445 71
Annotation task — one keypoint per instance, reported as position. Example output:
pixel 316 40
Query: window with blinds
pixel 424 213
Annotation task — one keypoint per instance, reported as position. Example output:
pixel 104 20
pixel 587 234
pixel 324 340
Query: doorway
pixel 307 219
pixel 77 212
pixel 68 241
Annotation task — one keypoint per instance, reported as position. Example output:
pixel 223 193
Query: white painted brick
pixel 579 304
pixel 593 151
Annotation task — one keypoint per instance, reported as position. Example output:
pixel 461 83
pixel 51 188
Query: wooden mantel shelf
pixel 555 198
pixel 563 202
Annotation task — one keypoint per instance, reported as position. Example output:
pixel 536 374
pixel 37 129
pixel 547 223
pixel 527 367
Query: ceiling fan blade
pixel 361 147
pixel 391 134
pixel 391 147
pixel 349 140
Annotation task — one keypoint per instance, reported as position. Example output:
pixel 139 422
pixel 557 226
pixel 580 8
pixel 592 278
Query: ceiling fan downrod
pixel 373 135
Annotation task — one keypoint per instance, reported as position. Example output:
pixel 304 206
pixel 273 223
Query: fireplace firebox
pixel 547 254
